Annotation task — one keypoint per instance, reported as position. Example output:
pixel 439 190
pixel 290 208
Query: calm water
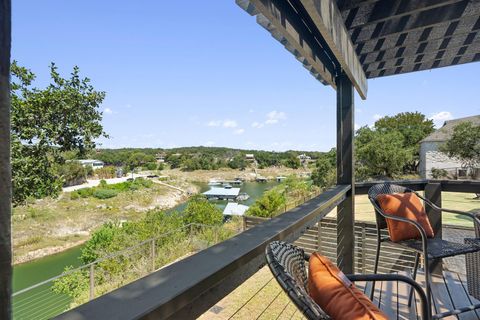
pixel 30 273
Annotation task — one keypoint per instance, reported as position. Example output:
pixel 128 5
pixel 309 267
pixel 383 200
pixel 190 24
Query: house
pixel 250 157
pixel 304 158
pixel 95 164
pixel 431 157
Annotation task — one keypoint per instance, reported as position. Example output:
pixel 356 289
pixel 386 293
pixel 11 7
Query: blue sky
pixel 182 73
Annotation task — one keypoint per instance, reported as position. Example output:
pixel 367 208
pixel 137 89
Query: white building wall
pixel 430 158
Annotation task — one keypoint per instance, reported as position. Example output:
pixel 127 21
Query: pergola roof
pixel 399 36
pixel 372 38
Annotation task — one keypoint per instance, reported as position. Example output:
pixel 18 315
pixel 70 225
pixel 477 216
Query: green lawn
pixel 451 200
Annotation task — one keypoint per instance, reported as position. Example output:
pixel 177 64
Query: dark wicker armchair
pixel 431 249
pixel 288 265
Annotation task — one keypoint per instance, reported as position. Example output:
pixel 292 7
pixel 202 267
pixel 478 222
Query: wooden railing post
pixel 345 174
pixel 5 168
pixel 433 192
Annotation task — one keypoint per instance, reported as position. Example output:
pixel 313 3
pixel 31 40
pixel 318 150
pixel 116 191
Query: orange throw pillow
pixel 406 205
pixel 336 295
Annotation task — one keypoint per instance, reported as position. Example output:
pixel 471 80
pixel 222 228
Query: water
pixel 30 273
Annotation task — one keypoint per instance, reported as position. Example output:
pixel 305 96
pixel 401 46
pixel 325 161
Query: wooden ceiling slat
pixel 413 38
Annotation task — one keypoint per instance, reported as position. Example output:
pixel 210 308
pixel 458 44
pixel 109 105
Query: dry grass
pixel 52 225
pixel 260 297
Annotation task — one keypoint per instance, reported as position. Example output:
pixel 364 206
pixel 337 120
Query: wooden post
pixel 345 174
pixel 433 192
pixel 153 255
pixel 5 166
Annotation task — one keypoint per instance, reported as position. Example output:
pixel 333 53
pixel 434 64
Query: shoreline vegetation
pixel 49 226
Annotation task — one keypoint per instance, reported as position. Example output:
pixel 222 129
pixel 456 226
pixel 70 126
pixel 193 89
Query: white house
pixel 95 164
pixel 431 157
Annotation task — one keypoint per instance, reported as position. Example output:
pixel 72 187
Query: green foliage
pixel 138 159
pixel 106 172
pixel 72 173
pixel 151 166
pixel 268 205
pixel 105 191
pixel 464 144
pixel 238 162
pixel 292 161
pixel 200 210
pixel 324 174
pixel 100 193
pixel 74 285
pixel 380 153
pixel 46 122
pixel 439 173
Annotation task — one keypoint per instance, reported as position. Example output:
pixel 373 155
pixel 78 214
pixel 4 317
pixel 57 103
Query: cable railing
pixel 47 298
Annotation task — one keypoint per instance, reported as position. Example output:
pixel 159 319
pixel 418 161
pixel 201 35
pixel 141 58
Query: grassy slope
pixel 52 225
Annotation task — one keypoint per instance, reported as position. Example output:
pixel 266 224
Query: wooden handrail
pixel 188 288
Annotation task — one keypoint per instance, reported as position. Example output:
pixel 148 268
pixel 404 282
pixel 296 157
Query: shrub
pixel 106 172
pixel 85 192
pixel 151 166
pixel 74 195
pixel 439 173
pixel 72 173
pixel 104 193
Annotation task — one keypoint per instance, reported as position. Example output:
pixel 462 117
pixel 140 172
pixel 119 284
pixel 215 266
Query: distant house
pixel 304 158
pixel 250 157
pixel 160 158
pixel 431 157
pixel 95 164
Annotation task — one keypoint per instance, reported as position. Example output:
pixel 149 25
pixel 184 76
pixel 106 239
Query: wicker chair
pixel 431 249
pixel 288 265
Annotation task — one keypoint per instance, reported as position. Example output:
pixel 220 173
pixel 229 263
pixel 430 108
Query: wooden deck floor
pixel 449 292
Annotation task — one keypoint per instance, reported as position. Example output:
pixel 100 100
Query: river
pixel 30 273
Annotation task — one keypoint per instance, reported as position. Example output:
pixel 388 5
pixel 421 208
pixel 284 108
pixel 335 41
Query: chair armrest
pixel 395 277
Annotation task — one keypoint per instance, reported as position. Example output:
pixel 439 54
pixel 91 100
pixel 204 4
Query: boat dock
pixel 222 193
pixel 235 209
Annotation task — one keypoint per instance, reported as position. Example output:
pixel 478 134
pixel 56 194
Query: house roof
pixel 445 132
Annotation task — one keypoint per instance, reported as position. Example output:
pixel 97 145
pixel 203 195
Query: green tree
pixel 464 144
pixel 324 173
pixel 413 126
pixel 268 205
pixel 380 154
pixel 45 123
pixel 292 161
pixel 238 162
pixel 199 210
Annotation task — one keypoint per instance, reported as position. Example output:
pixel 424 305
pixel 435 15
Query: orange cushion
pixel 406 205
pixel 336 295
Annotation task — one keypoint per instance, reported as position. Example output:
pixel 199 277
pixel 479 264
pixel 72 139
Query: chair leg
pixel 428 281
pixel 414 276
pixel 375 267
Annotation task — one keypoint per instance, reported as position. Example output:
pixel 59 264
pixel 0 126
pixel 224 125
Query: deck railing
pixel 188 288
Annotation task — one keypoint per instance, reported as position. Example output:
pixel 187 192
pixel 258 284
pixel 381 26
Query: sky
pixel 189 73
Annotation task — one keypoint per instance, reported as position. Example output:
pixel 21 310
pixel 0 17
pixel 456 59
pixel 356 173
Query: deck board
pixel 458 295
pixel 449 292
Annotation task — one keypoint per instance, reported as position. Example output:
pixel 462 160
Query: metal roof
pixel 222 192
pixel 445 132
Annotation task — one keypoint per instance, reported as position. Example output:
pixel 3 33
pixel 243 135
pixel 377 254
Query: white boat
pixel 243 196
pixel 227 186
pixel 214 182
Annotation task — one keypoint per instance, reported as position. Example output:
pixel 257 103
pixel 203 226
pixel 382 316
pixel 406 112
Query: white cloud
pixel 257 125
pixel 357 126
pixel 214 123
pixel 439 118
pixel 128 106
pixel 275 116
pixel 239 131
pixel 223 123
pixel 230 124
pixel 377 117
pixel 442 116
pixel 209 143
pixel 107 111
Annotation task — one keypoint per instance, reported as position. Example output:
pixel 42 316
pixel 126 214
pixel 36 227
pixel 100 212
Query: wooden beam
pixel 345 174
pixel 433 192
pixel 279 18
pixel 329 22
pixel 5 169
